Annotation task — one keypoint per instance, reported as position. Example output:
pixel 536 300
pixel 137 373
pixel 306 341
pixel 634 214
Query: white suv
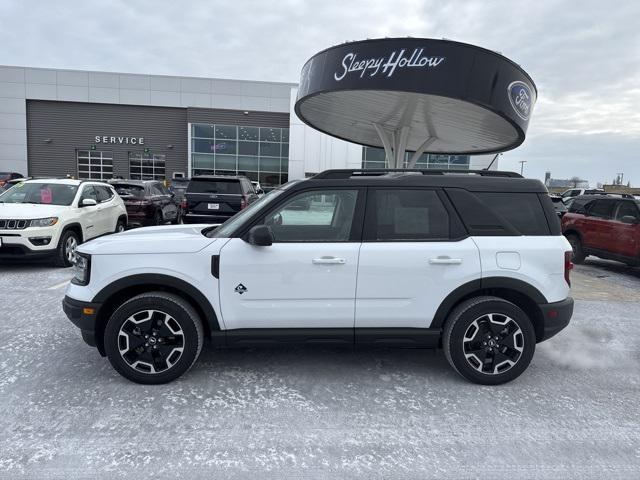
pixel 473 263
pixel 51 217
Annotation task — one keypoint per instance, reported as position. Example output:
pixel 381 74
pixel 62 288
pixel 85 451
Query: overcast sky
pixel 584 56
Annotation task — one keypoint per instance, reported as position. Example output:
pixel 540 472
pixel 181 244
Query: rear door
pixel 216 197
pixel 597 227
pixel 625 238
pixel 408 261
pixel 307 277
pixel 108 210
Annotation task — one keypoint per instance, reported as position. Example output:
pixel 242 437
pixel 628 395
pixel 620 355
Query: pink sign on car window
pixel 45 195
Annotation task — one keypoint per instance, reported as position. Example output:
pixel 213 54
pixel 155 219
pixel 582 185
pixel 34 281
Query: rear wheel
pixel 576 247
pixel 66 251
pixel 489 340
pixel 153 338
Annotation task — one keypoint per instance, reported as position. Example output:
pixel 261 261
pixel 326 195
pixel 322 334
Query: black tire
pixel 516 346
pixel 157 218
pixel 178 219
pixel 65 252
pixel 120 226
pixel 576 247
pixel 171 314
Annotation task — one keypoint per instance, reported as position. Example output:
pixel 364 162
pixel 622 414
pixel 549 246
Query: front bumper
pixel 16 244
pixel 83 315
pixel 556 316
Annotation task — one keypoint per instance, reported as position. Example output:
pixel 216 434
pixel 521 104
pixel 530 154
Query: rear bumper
pixel 556 316
pixel 83 315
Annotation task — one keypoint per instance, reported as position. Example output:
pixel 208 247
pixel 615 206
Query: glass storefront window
pixel 226 162
pixel 226 131
pixel 375 158
pixel 247 148
pixel 270 135
pixel 269 149
pixel 248 133
pixel 202 131
pixel 257 152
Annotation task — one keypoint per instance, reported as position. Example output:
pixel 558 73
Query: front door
pixel 625 237
pixel 307 278
pixel 408 261
pixel 90 217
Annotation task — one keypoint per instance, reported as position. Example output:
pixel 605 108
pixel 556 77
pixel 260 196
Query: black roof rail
pixel 372 172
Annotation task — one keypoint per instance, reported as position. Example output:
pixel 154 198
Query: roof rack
pixel 372 172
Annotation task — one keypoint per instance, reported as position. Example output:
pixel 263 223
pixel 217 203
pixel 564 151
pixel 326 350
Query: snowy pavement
pixel 320 413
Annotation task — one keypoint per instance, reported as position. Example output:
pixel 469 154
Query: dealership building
pixel 101 125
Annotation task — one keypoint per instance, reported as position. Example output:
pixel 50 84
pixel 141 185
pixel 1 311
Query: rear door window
pixel 231 186
pixel 407 215
pixel 522 210
pixel 601 209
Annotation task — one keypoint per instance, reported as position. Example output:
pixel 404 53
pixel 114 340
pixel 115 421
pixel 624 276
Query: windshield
pixel 228 227
pixel 40 193
pixel 128 190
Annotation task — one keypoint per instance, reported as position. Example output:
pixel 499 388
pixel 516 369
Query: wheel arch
pixel 116 293
pixel 76 227
pixel 518 292
pixel 573 231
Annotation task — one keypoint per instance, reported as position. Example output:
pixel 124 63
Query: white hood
pixel 161 239
pixel 24 211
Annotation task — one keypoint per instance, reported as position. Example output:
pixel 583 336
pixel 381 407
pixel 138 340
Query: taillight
pixel 183 204
pixel 244 203
pixel 568 266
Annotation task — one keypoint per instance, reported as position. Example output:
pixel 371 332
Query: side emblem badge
pixel 240 289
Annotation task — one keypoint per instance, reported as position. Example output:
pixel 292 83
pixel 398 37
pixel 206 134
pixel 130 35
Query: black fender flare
pixel 75 226
pixel 467 289
pixel 160 280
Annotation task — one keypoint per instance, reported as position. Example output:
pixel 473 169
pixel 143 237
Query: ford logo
pixel 521 99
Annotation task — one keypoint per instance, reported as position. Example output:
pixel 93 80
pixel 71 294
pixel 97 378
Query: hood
pixel 161 239
pixel 24 211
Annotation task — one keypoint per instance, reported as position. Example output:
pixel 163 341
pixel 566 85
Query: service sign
pixel 118 140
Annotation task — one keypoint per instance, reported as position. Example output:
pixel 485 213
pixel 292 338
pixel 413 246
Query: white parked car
pixel 473 263
pixel 51 217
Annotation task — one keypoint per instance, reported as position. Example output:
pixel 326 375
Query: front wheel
pixel 153 338
pixel 489 340
pixel 178 219
pixel 120 226
pixel 66 251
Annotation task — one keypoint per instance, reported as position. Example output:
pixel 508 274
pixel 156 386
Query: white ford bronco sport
pixel 51 217
pixel 472 262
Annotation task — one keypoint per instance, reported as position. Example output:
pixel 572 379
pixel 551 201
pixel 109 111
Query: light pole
pixel 522 162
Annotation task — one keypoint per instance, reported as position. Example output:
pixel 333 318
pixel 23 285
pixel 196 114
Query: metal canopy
pixel 417 95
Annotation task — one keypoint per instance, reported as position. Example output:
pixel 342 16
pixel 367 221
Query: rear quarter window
pixel 522 210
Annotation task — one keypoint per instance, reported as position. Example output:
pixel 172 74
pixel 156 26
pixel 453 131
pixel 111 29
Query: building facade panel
pixel 57 131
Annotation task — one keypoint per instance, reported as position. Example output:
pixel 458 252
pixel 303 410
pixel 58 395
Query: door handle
pixel 445 261
pixel 329 261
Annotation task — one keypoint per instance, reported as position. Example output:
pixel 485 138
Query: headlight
pixel 81 269
pixel 43 222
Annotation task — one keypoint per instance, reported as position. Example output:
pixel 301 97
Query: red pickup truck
pixel 604 226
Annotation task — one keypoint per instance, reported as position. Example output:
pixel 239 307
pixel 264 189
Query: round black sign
pixel 452 97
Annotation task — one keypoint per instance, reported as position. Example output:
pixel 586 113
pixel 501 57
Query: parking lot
pixel 299 413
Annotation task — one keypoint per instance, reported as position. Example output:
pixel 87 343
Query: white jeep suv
pixel 51 217
pixel 473 262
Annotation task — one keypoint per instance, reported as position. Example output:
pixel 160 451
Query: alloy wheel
pixel 150 341
pixel 70 249
pixel 493 343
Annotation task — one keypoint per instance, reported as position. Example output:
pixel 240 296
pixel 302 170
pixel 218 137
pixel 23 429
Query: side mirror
pixel 88 202
pixel 259 191
pixel 630 219
pixel 261 236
